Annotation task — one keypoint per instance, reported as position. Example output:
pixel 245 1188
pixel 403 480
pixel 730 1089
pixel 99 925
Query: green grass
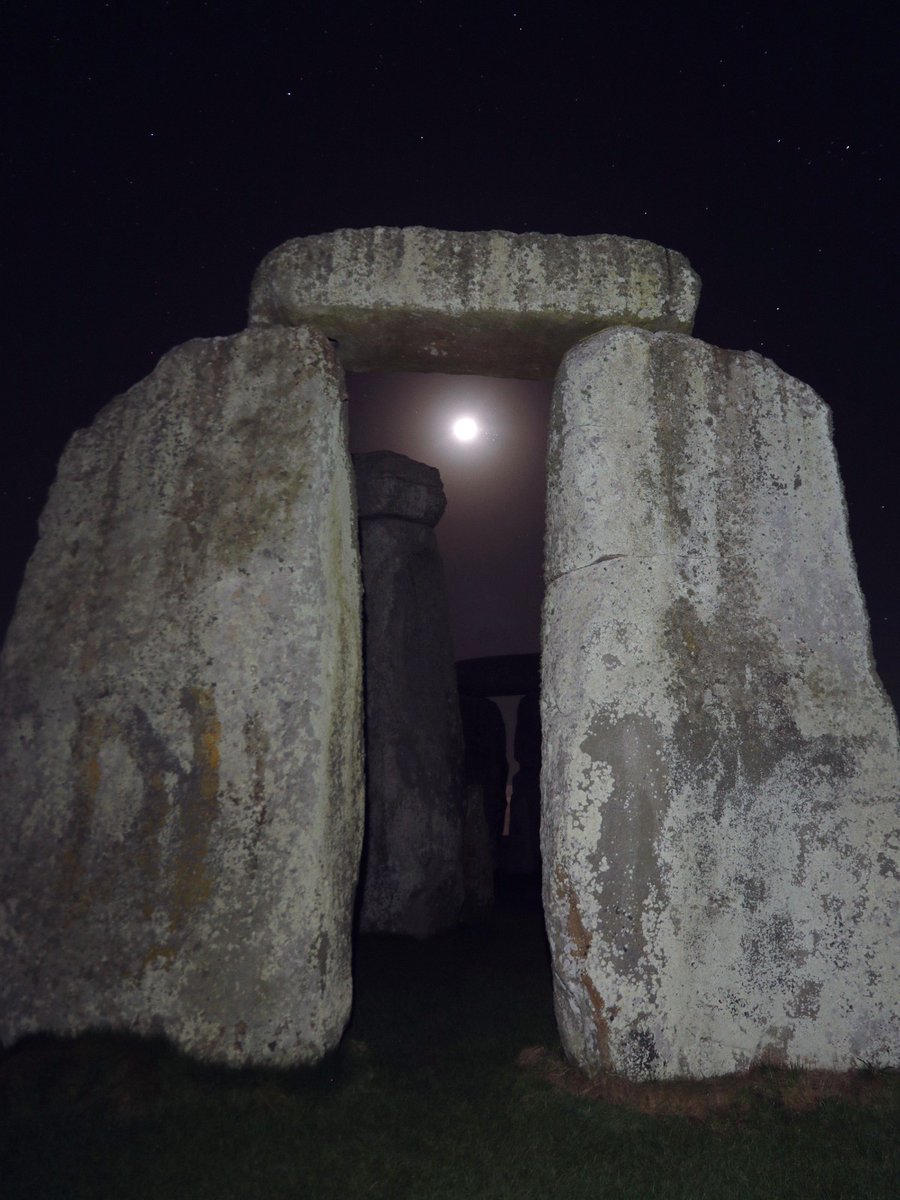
pixel 424 1099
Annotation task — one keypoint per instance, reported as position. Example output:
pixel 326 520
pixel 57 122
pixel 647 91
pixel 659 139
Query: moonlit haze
pixel 488 439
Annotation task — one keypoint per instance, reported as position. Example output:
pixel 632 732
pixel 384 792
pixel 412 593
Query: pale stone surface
pixel 180 709
pixel 412 876
pixel 489 303
pixel 721 765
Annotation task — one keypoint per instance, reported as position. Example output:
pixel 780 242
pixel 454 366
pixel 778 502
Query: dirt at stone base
pixel 796 1090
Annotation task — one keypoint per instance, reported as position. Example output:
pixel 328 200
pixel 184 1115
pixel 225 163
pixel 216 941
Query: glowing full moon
pixel 465 429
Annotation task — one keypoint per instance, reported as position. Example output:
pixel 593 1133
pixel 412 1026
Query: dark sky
pixel 153 153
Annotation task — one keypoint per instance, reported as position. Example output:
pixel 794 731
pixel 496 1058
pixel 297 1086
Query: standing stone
pixel 484 736
pixel 478 859
pixel 412 878
pixel 721 764
pixel 523 851
pixel 180 713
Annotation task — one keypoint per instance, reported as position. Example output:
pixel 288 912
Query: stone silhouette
pixel 412 876
pixel 485 737
pixel 523 849
pixel 478 859
pixel 485 764
pixel 181 688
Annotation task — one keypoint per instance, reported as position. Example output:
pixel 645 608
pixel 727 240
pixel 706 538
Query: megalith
pixel 523 846
pixel 181 764
pixel 485 764
pixel 181 691
pixel 721 766
pixel 484 731
pixel 478 303
pixel 412 873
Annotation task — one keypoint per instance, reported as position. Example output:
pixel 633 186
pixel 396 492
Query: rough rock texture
pixel 412 879
pixel 523 846
pixel 180 758
pixel 485 764
pixel 490 303
pixel 721 764
pixel 392 485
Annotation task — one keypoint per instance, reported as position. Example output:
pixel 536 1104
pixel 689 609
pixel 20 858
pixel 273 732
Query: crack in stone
pixel 584 566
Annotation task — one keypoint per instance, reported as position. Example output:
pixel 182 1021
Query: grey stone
pixel 527 737
pixel 412 879
pixel 391 485
pixel 180 702
pixel 180 710
pixel 721 765
pixel 491 303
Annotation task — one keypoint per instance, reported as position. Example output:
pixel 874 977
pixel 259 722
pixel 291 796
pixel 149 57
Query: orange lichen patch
pixel 601 1023
pixel 792 1089
pixel 575 928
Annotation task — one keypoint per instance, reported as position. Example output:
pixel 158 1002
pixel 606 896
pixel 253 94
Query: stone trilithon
pixel 181 693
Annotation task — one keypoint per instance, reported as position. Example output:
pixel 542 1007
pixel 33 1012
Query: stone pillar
pixel 721 764
pixel 523 853
pixel 180 716
pixel 412 877
pixel 484 736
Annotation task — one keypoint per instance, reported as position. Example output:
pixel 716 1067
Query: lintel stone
pixel 490 303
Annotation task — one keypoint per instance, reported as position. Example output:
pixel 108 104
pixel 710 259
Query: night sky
pixel 153 153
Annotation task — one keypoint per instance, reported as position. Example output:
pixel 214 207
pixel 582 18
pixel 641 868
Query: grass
pixel 448 1084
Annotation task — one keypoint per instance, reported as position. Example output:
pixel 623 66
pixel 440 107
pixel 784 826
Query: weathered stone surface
pixel 527 737
pixel 523 846
pixel 181 719
pixel 412 878
pixel 721 765
pixel 491 303
pixel 485 763
pixel 392 485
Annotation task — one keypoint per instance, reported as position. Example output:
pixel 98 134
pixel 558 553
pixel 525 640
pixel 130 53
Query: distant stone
pixel 721 764
pixel 412 873
pixel 491 303
pixel 484 738
pixel 180 707
pixel 522 853
pixel 392 485
pixel 499 675
pixel 478 859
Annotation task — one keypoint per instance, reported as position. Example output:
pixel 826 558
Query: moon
pixel 465 429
